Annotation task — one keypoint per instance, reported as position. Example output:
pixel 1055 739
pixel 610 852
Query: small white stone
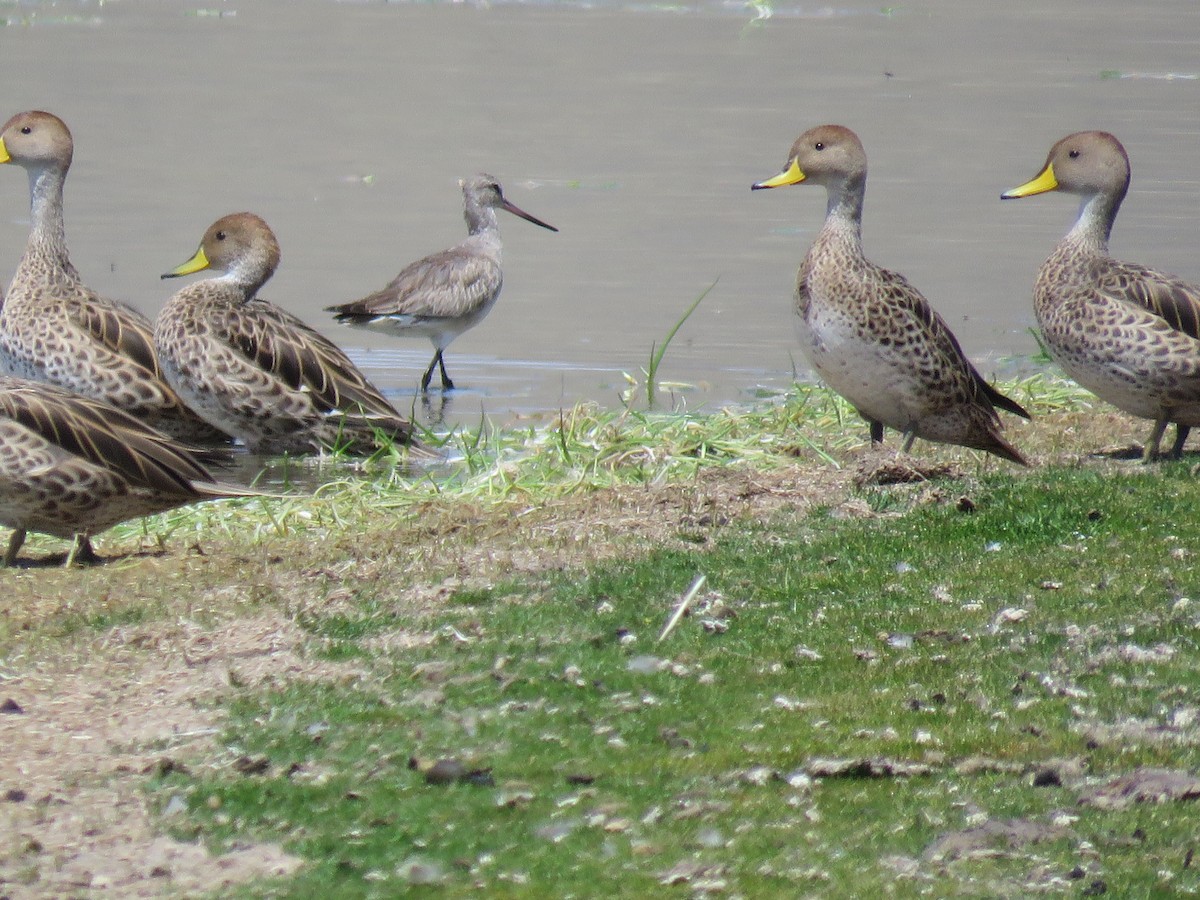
pixel 1012 614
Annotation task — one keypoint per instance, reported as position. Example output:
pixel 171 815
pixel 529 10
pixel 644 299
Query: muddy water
pixel 636 128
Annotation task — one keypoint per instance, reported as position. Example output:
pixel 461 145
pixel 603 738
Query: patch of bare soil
pixel 989 838
pixel 1142 786
pixel 448 547
pixel 73 818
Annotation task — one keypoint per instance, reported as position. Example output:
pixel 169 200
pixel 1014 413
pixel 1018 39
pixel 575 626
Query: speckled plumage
pixel 256 371
pixel 870 334
pixel 1127 333
pixel 53 328
pixel 72 467
pixel 446 293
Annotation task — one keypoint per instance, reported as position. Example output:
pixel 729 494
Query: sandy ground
pixel 74 818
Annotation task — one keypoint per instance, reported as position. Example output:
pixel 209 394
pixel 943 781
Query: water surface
pixel 636 128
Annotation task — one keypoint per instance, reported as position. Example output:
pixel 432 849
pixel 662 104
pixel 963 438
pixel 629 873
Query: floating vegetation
pixel 34 18
pixel 761 9
pixel 1108 74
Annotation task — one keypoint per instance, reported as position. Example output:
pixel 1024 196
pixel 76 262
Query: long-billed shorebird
pixel 446 293
pixel 255 370
pixel 1127 333
pixel 71 466
pixel 869 333
pixel 55 329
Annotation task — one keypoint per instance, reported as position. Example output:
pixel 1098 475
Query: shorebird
pixel 71 466
pixel 256 371
pixel 870 334
pixel 1127 333
pixel 55 329
pixel 444 294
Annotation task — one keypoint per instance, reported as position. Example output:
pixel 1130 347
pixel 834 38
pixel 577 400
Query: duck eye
pixel 26 130
pixel 819 145
pixel 220 235
pixel 1074 154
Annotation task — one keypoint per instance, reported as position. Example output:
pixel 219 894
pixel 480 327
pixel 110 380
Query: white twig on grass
pixel 682 607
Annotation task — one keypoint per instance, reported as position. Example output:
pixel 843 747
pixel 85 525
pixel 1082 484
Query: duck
pixel 57 330
pixel 444 294
pixel 872 336
pixel 1125 332
pixel 254 370
pixel 72 466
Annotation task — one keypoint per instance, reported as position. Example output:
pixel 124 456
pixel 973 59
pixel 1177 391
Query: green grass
pixel 929 635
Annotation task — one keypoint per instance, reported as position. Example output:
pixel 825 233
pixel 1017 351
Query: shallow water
pixel 636 128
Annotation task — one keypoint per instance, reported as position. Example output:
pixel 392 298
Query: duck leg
pixel 1160 426
pixel 14 547
pixel 876 431
pixel 81 552
pixel 1181 436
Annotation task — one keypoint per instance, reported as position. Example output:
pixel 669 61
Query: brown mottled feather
pixel 121 329
pixel 302 357
pixel 1175 300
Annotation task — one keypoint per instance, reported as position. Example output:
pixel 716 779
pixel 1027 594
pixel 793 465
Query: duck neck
pixel 1094 224
pixel 843 214
pixel 248 277
pixel 47 232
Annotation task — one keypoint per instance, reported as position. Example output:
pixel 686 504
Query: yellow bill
pixel 4 157
pixel 790 175
pixel 195 264
pixel 1044 182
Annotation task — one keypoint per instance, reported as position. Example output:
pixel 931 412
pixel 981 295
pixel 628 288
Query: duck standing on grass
pixel 256 371
pixel 444 294
pixel 71 466
pixel 1125 332
pixel 55 329
pixel 870 334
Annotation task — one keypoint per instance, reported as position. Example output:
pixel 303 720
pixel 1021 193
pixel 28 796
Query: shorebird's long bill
pixel 791 175
pixel 4 157
pixel 517 211
pixel 1044 182
pixel 195 264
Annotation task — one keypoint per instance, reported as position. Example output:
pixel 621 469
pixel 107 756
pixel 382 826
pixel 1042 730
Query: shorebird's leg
pixel 437 356
pixel 447 384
